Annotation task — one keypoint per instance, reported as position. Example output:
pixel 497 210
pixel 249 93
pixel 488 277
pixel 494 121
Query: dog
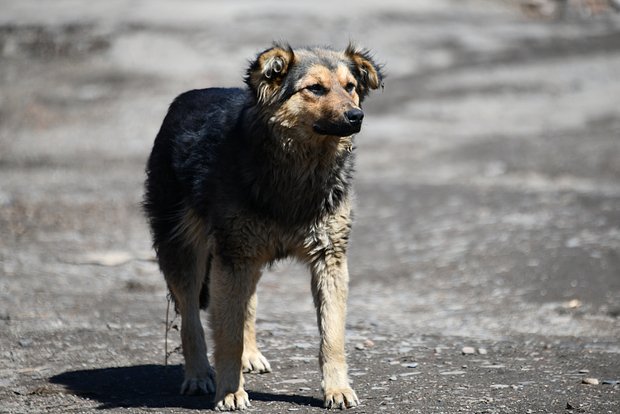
pixel 241 177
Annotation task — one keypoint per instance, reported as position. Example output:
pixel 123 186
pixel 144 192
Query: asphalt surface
pixel 487 207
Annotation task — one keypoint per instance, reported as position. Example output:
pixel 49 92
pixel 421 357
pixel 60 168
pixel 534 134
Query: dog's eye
pixel 317 89
pixel 350 87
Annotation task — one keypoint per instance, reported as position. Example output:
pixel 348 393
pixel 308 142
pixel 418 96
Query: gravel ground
pixel 485 258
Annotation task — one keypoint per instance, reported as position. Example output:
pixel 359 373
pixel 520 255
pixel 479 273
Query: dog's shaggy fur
pixel 239 178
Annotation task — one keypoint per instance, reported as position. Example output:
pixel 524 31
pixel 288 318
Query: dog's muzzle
pixel 350 124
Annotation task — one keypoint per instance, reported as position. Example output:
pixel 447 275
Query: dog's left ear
pixel 369 75
pixel 266 73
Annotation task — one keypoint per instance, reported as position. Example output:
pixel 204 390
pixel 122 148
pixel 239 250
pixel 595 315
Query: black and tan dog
pixel 239 178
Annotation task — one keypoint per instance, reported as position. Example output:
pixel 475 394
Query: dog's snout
pixel 354 116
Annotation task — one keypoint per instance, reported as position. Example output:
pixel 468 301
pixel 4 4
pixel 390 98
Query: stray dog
pixel 239 178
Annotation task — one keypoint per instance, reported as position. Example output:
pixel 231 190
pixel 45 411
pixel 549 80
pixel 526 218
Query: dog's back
pixel 187 154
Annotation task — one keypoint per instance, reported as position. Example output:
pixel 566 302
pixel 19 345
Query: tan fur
pixel 299 113
pixel 366 67
pixel 271 67
pixel 233 308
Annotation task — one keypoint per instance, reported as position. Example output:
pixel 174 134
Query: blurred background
pixel 487 212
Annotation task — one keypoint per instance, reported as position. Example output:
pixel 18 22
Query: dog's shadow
pixel 153 386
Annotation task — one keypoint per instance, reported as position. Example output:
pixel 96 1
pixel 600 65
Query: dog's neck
pixel 298 178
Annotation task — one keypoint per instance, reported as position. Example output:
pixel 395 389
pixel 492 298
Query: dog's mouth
pixel 337 130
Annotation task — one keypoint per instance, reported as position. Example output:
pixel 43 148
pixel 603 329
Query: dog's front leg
pixel 330 277
pixel 252 360
pixel 231 288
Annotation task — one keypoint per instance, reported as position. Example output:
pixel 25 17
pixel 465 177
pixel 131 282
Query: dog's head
pixel 314 91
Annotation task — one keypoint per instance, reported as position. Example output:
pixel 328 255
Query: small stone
pixel 482 351
pixel 369 343
pixel 293 381
pixel 106 258
pixel 610 382
pixel 437 350
pixel 393 378
pixel 412 365
pixel 408 374
pixel 499 386
pixel 360 346
pixel 468 350
pixel 573 304
pixel 590 381
pixel 25 342
pixel 584 371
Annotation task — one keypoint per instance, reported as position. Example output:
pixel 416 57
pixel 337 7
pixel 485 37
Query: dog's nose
pixel 354 116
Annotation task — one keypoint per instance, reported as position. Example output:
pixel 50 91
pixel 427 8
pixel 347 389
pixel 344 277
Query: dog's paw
pixel 233 401
pixel 340 398
pixel 254 362
pixel 200 385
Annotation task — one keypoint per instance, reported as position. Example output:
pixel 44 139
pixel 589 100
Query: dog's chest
pixel 297 192
pixel 266 240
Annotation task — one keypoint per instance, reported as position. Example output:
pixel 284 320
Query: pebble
pixel 573 304
pixel 293 381
pixel 611 382
pixel 412 365
pixel 393 378
pixel 408 374
pixel 106 258
pixel 468 350
pixel 482 351
pixel 369 343
pixel 499 386
pixel 584 371
pixel 360 346
pixel 25 342
pixel 590 381
pixel 452 373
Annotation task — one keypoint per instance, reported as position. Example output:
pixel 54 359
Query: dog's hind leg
pixel 232 288
pixel 252 360
pixel 185 280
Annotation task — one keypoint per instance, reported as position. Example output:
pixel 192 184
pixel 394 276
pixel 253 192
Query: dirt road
pixel 488 206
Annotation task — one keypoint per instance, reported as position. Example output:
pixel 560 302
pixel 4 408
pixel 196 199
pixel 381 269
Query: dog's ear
pixel 369 75
pixel 267 71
